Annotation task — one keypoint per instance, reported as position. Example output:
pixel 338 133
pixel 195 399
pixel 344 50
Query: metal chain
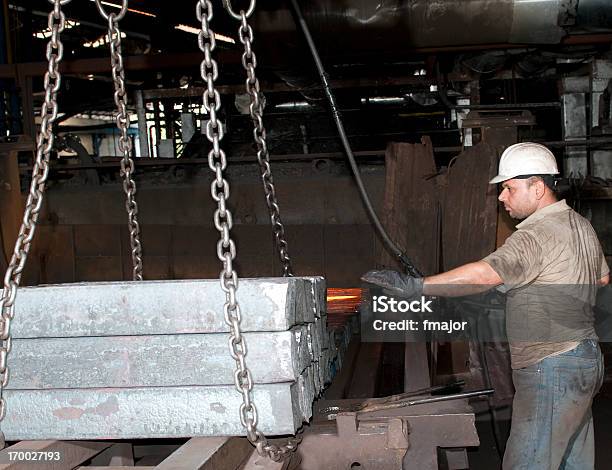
pixel 226 249
pixel 238 16
pixel 249 62
pixel 125 144
pixel 44 143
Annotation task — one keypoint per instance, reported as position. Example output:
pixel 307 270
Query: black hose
pixel 401 256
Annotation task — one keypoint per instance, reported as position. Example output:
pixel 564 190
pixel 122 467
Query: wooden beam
pixel 257 462
pixel 130 63
pixel 208 453
pixel 120 454
pixel 89 467
pixel 284 87
pixel 70 454
pixel 11 205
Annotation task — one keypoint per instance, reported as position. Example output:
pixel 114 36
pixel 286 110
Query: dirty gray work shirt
pixel 550 268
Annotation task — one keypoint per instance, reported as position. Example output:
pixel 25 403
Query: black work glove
pixel 395 283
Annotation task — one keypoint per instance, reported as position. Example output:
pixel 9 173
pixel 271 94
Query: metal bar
pixel 397 401
pixel 386 403
pixel 455 396
pixel 27 106
pixel 153 307
pixel 316 295
pixel 143 135
pixel 580 141
pixel 283 87
pixel 155 361
pixel 208 453
pixel 149 412
pixel 381 403
pixel 111 162
pixel 548 104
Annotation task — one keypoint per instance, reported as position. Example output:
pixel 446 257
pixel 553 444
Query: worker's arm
pixel 604 281
pixel 471 278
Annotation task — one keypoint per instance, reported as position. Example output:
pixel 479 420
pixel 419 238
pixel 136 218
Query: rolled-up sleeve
pixel 518 261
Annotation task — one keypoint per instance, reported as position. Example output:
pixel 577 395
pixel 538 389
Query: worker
pixel 556 248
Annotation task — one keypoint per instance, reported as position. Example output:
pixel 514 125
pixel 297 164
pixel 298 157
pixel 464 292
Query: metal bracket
pixel 498 118
pixel 379 444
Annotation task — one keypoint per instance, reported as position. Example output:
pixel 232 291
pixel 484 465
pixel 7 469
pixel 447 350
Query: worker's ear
pixel 540 188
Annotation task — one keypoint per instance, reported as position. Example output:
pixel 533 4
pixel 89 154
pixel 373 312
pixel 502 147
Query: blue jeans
pixel 552 424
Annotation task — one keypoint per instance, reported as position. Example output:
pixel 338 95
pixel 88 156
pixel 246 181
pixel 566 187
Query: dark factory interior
pixel 179 180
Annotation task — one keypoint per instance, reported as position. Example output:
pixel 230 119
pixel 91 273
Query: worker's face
pixel 519 198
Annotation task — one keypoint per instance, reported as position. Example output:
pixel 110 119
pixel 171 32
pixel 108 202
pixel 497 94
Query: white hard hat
pixel 526 158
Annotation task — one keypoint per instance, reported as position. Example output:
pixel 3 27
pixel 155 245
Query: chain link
pixel 238 16
pixel 44 143
pixel 125 143
pixel 226 249
pixel 118 16
pixel 249 62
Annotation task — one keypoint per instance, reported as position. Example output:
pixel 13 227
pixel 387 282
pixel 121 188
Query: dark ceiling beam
pixel 130 63
pixel 150 62
pixel 163 93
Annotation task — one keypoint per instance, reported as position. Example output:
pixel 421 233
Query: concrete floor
pixel 485 457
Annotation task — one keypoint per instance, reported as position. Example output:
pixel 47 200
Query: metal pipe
pixel 360 28
pixel 392 405
pixel 455 396
pixel 549 104
pixel 373 404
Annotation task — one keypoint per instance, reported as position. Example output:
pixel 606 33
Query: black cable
pixel 401 256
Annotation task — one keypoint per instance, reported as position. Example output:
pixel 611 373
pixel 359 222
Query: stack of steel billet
pixel 341 328
pixel 151 359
